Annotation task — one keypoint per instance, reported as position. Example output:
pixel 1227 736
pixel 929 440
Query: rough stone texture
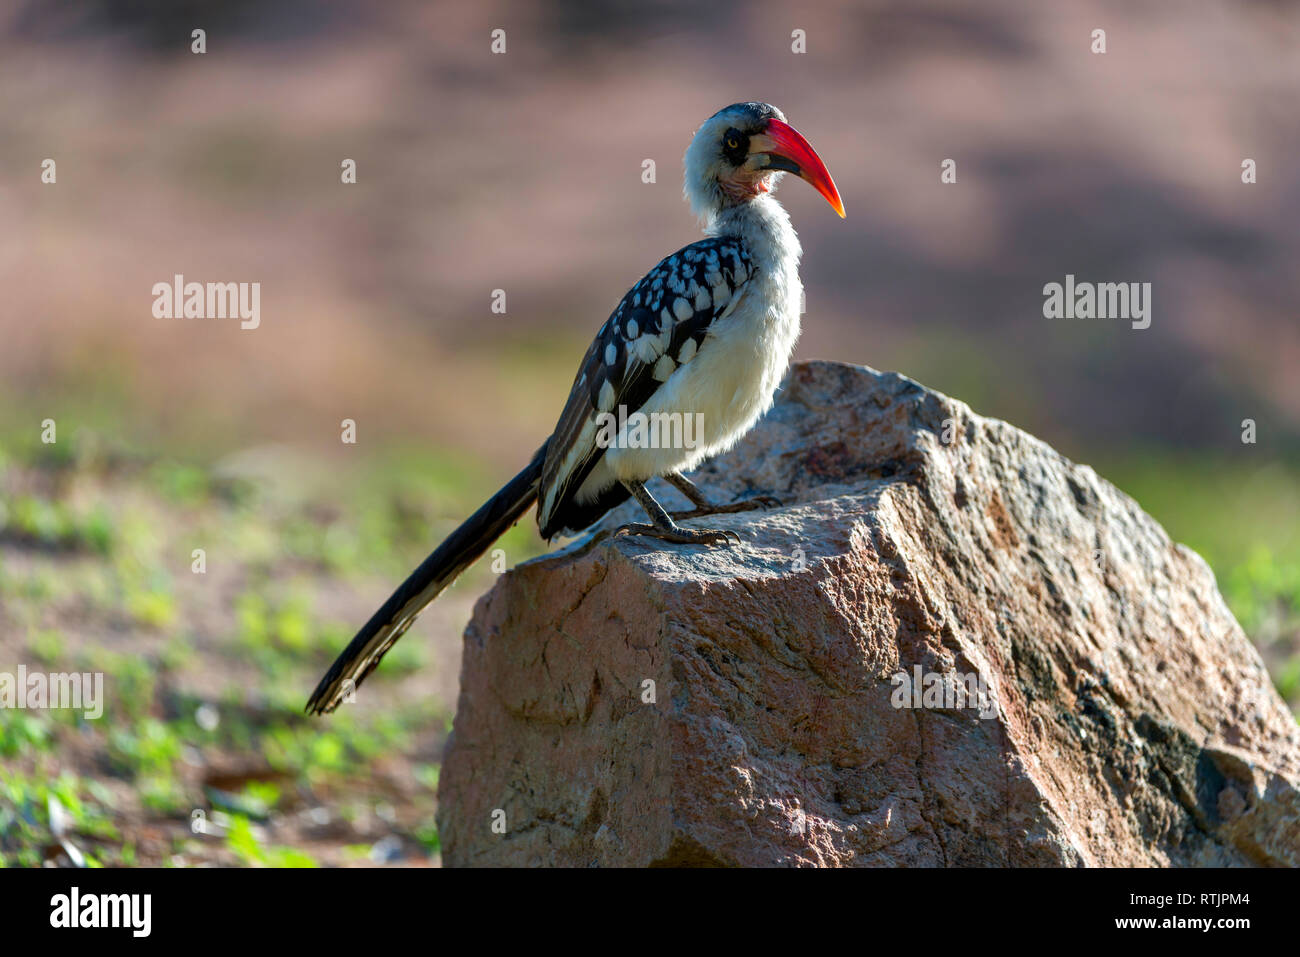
pixel 1136 724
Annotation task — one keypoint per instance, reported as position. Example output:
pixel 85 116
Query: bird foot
pixel 681 536
pixel 745 505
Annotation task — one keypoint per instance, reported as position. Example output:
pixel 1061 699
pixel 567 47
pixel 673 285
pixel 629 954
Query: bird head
pixel 741 152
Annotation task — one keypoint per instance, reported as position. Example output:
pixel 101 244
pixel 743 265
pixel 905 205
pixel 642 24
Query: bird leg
pixel 665 528
pixel 705 507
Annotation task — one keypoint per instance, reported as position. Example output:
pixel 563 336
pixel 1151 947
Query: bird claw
pixel 682 536
pixel 746 505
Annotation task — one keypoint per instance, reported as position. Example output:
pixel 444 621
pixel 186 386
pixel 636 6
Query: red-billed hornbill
pixel 709 330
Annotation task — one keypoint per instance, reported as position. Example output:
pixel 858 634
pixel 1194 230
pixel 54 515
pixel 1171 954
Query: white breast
pixel 730 381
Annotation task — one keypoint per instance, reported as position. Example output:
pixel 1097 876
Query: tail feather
pixel 460 550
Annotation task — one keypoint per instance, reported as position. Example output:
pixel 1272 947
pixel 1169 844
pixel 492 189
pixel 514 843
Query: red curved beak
pixel 788 150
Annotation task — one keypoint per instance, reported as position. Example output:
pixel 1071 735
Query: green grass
pixel 25 826
pixel 242 840
pixel 54 524
pixel 96 573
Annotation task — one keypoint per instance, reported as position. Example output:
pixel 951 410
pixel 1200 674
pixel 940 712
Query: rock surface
pixel 626 702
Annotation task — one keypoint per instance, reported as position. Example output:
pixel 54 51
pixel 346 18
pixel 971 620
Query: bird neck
pixel 763 225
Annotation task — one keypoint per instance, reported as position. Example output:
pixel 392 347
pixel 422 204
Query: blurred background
pixel 522 172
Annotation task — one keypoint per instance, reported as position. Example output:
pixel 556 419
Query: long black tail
pixel 461 549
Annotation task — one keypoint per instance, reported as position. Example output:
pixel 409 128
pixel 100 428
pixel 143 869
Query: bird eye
pixel 733 143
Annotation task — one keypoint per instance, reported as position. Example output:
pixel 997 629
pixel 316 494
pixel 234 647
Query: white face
pixel 717 176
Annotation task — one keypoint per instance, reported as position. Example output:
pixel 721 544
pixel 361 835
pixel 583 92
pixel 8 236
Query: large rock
pixel 627 702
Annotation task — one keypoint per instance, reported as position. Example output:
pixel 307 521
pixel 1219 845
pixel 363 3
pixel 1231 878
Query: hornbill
pixel 708 332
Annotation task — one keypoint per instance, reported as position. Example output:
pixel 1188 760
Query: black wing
pixel 634 353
